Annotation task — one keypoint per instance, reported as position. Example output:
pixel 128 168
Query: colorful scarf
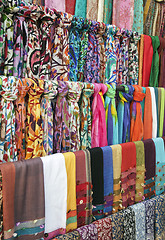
pixel 154 113
pixel 149 218
pixel 88 232
pixel 60 48
pixel 71 217
pixel 136 130
pixel 69 236
pixel 34 146
pixel 147 119
pixel 81 8
pixel 108 6
pixel 73 97
pixel 20 117
pixel 117 225
pixel 104 228
pixel 108 179
pixel 50 92
pixel 99 132
pixel 111 115
pixel 85 116
pixel 138 17
pixel 9 92
pixel 159 217
pixel 129 224
pixel 61 133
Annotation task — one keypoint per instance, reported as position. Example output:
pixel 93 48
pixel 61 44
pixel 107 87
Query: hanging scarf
pixel 92 9
pixel 88 232
pixel 133 60
pixel 140 171
pixel 104 228
pixel 34 130
pixel 128 174
pixel 99 132
pixel 140 51
pixel 161 119
pixel 69 236
pixel 136 130
pixel 60 48
pixel 108 179
pixel 161 51
pixel 117 159
pixel 97 172
pixel 154 113
pixel 159 216
pixel 70 6
pixel 160 178
pixel 83 188
pixel 150 162
pixel 158 103
pixel 123 113
pixel 148 20
pixel 20 46
pixel 138 17
pixel 59 5
pixel 153 82
pixel 129 224
pixel 85 118
pixel 20 116
pixel 93 55
pixel 47 19
pixel 73 97
pixel 149 218
pixel 108 6
pixel 50 92
pixel 81 8
pixel 100 11
pixel 117 225
pixel 147 120
pixel 70 163
pixel 9 92
pixel 111 115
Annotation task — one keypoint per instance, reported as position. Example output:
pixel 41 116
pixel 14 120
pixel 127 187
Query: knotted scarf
pixel 85 116
pixel 81 8
pixel 111 115
pixel 154 113
pixel 50 92
pixel 34 130
pixel 108 6
pixel 123 113
pixel 99 132
pixel 9 92
pixel 136 130
pixel 147 119
pixel 60 48
pixel 61 126
pixel 20 116
pixel 73 97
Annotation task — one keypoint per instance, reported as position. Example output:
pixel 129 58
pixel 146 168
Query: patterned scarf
pixel 149 218
pixel 111 114
pixel 60 48
pixel 129 224
pixel 69 236
pixel 138 17
pixel 117 225
pixel 34 145
pixel 9 92
pixel 85 118
pixel 50 92
pixel 104 228
pixel 61 120
pixel 20 116
pixel 73 97
pixel 159 217
pixel 88 232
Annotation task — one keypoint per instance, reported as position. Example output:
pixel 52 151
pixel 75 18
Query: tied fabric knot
pixel 61 123
pixel 136 131
pixel 86 121
pixel 9 92
pixel 50 92
pixel 20 132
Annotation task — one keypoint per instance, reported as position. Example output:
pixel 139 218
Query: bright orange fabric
pixel 147 121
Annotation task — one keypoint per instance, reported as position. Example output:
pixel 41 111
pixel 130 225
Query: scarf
pixel 161 51
pixel 81 8
pixel 83 188
pixel 61 133
pixel 24 85
pixel 100 12
pixel 58 5
pixel 159 217
pixel 157 100
pixel 70 6
pixel 147 119
pixel 161 118
pixel 149 218
pixel 85 116
pixel 92 9
pixel 55 183
pixel 60 47
pixel 97 182
pixel 123 113
pixel 117 225
pixel 88 232
pixel 117 160
pixel 160 178
pixel 129 224
pixel 34 146
pixel 71 216
pixel 140 171
pixel 138 17
pixel 73 97
pixel 50 91
pixel 153 82
pixel 9 92
pixel 99 132
pixel 69 236
pixel 104 228
pixel 108 179
pixel 128 174
pixel 141 51
pixel 108 7
pixel 136 130
pixel 154 113
pixel 111 115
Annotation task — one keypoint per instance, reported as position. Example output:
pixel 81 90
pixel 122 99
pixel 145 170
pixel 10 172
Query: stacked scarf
pixel 147 119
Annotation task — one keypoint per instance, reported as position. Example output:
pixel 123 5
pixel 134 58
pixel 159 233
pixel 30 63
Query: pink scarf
pixel 99 132
pixel 59 5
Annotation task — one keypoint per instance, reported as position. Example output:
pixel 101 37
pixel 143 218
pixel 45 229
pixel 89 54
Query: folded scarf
pixel 149 218
pixel 104 228
pixel 70 163
pixel 140 171
pixel 160 176
pixel 136 131
pixel 88 232
pixel 154 113
pixel 129 224
pixel 117 159
pixel 117 220
pixel 108 179
pixel 159 217
pixel 68 236
pixel 128 174
pixel 147 119
pixel 97 182
pixel 161 118
pixel 55 183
